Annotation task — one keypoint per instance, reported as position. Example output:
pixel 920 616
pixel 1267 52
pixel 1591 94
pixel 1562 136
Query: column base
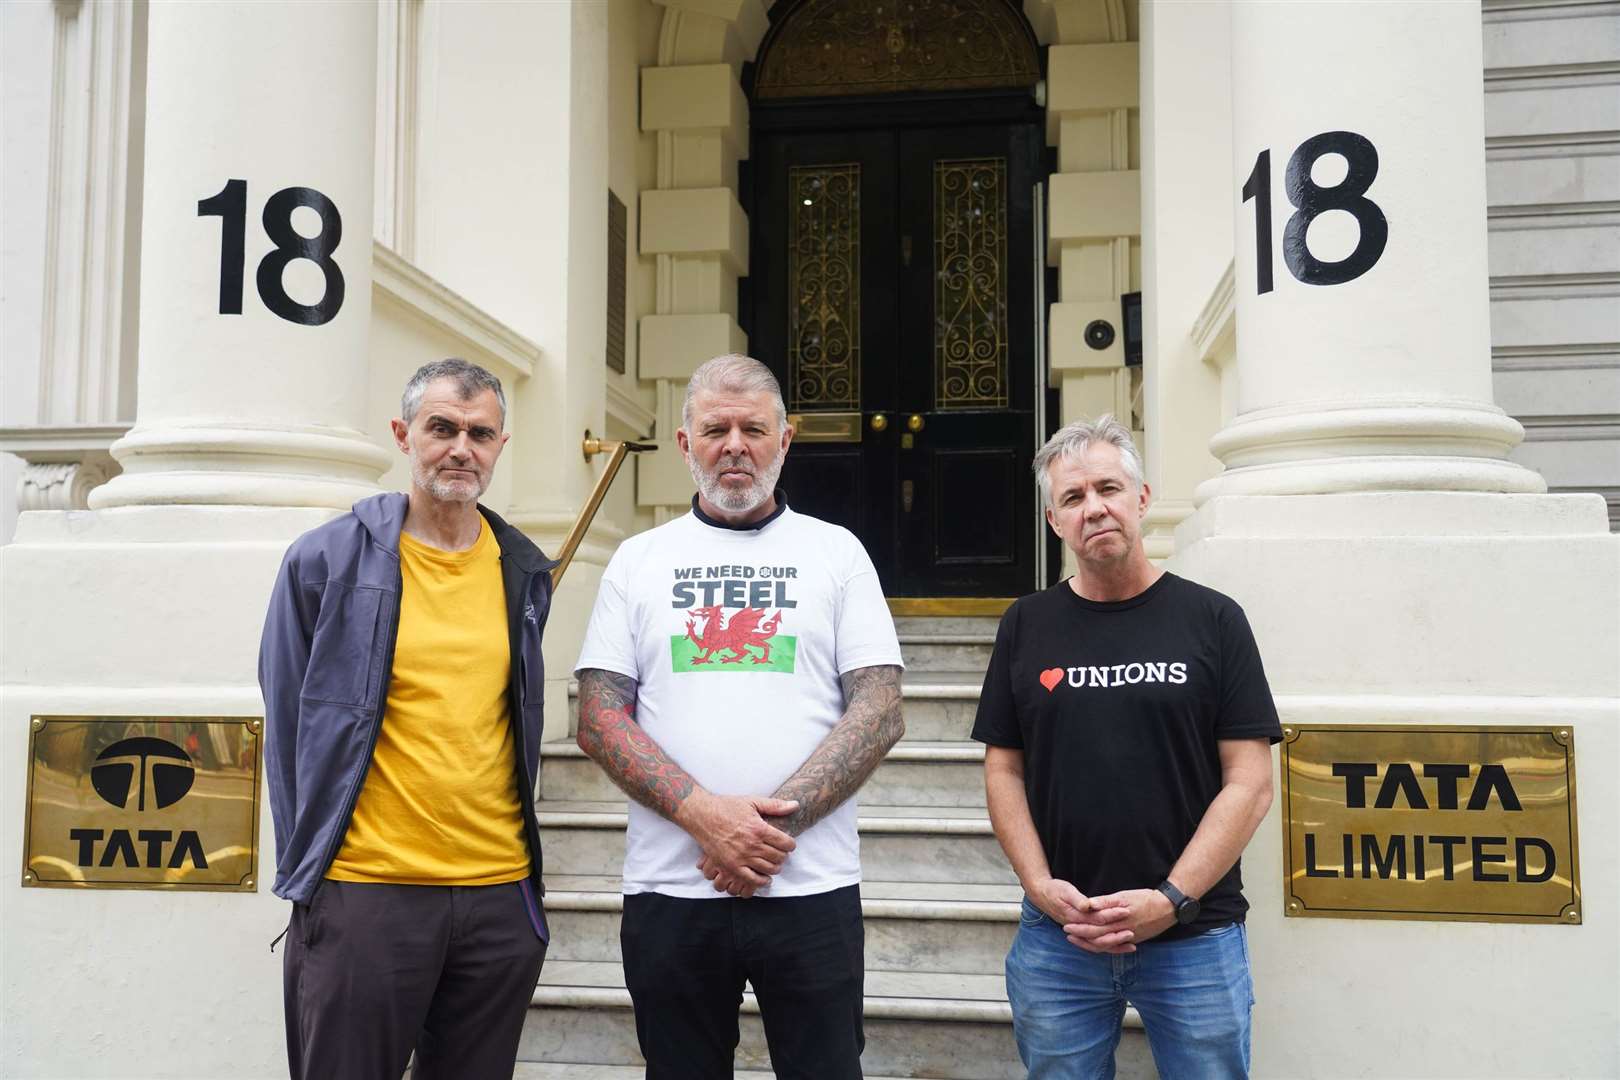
pixel 1386 446
pixel 241 466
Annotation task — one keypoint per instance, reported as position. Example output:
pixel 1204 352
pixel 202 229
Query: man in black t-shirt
pixel 1128 730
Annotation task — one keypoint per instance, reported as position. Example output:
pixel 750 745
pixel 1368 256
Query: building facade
pixel 1351 271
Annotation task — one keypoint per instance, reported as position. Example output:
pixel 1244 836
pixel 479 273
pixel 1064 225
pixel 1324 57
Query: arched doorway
pixel 893 278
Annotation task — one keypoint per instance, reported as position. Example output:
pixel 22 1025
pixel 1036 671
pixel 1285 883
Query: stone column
pixel 265 106
pixel 1366 366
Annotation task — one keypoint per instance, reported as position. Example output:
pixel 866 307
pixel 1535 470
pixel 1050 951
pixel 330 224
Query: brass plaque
pixel 143 802
pixel 1472 824
pixel 819 427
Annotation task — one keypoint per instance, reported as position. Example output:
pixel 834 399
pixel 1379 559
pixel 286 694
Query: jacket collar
pixel 523 552
pixel 384 518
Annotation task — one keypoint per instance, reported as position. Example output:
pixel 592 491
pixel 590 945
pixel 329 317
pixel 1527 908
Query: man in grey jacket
pixel 402 682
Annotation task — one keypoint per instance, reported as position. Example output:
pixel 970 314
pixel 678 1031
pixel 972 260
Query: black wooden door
pixel 892 284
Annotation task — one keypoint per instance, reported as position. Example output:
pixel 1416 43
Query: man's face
pixel 1096 507
pixel 734 448
pixel 452 443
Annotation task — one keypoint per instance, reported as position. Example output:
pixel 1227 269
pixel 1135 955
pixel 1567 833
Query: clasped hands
pixel 742 850
pixel 1115 923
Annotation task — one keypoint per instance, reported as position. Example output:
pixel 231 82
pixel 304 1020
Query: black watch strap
pixel 1186 908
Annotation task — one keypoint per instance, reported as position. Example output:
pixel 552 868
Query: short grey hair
pixel 736 374
pixel 470 380
pixel 1071 441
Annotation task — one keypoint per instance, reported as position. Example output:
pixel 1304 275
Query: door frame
pixel 949 108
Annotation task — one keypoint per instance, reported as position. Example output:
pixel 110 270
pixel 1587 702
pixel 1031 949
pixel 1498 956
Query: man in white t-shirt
pixel 740 680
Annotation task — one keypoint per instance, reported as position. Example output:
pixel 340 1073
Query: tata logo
pixel 142 763
pixel 141 774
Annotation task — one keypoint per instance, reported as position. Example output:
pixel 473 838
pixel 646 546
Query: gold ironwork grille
pixel 824 286
pixel 829 48
pixel 970 283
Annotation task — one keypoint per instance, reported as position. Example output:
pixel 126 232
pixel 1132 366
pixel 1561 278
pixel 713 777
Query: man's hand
pixel 1084 918
pixel 724 882
pixel 736 839
pixel 1143 914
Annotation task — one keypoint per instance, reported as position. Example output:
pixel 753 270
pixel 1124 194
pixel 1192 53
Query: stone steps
pixel 952 1027
pixel 908 927
pixel 536 1070
pixel 925 651
pixel 939 705
pixel 916 773
pixel 898 843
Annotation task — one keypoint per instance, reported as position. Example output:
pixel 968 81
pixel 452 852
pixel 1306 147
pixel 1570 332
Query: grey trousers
pixel 372 973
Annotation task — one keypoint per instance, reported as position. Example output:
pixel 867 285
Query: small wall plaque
pixel 143 802
pixel 1443 823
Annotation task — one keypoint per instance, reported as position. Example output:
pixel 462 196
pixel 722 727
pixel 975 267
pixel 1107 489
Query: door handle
pixel 915 423
pixel 879 422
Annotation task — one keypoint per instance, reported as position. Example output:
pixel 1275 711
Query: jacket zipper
pixel 371 740
pixel 531 824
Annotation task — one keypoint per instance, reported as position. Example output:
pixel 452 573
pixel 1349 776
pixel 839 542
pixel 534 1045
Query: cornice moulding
pixel 623 407
pixel 1217 322
pixel 47 443
pixel 407 285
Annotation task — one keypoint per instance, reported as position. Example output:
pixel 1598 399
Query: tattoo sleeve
pixel 609 734
pixel 871 724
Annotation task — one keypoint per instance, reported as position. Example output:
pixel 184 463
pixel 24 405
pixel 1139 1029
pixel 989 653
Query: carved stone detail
pixel 63 485
pixel 829 48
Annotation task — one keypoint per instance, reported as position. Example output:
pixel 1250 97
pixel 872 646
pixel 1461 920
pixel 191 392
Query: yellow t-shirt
pixel 440 803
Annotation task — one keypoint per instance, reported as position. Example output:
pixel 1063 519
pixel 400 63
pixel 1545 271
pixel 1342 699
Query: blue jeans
pixel 1194 997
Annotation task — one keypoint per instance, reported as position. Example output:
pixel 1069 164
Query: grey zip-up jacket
pixel 324 666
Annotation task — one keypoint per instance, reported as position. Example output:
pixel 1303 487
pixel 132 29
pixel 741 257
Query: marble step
pixel 981 625
pixel 919 774
pixel 952 1027
pixel 953 928
pixel 898 843
pixel 926 651
pixel 539 1070
pixel 939 705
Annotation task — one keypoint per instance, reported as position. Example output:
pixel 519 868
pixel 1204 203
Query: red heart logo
pixel 1051 677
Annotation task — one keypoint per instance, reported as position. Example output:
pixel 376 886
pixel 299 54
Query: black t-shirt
pixel 1118 708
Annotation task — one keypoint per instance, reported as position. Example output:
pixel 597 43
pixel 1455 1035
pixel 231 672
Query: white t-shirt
pixel 736 639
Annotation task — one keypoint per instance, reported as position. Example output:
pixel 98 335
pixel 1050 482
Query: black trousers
pixel 685 962
pixel 375 972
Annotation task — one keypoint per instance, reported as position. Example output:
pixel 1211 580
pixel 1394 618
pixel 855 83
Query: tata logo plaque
pixel 143 803
pixel 1473 824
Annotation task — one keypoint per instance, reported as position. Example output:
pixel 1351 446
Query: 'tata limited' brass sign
pixel 140 802
pixel 1445 823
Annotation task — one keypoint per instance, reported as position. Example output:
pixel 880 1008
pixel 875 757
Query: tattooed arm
pixel 871 724
pixel 732 830
pixel 850 753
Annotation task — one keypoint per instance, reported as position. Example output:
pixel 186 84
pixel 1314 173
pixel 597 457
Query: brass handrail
pixel 591 447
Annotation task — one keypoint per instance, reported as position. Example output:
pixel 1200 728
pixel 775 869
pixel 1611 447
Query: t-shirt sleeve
pixel 610 639
pixel 1247 710
pixel 866 636
pixel 997 721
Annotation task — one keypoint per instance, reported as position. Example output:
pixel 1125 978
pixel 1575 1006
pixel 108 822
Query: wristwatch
pixel 1186 907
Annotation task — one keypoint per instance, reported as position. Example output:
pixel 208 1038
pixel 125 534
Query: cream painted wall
pixel 1186 243
pixel 494 169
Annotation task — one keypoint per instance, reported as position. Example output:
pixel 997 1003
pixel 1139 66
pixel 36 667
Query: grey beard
pixel 737 502
pixel 442 490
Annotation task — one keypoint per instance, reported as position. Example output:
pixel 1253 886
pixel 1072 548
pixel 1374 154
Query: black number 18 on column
pixel 1309 201
pixel 230 205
